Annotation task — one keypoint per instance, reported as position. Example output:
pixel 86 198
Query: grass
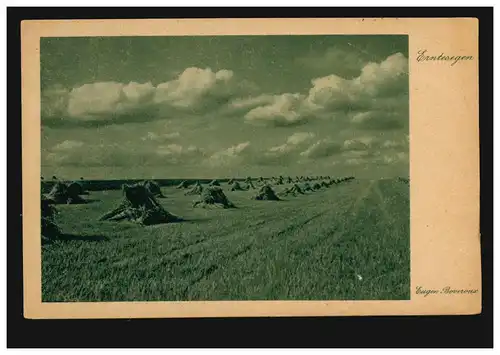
pixel 347 242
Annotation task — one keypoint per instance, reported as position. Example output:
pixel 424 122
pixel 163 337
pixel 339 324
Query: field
pixel 350 241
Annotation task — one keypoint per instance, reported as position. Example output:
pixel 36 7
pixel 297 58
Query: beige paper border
pixel 444 166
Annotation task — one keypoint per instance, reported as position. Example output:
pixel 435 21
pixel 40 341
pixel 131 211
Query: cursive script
pixel 423 291
pixel 445 290
pixel 453 59
pixel 450 291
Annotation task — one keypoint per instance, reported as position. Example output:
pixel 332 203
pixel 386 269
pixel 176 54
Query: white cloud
pixel 171 149
pixel 393 158
pixel 362 143
pixel 67 145
pixel 151 136
pixel 77 153
pixel 322 148
pixel 330 92
pixel 176 154
pixel 251 102
pixel 376 79
pixel 377 119
pixel 390 144
pixel 237 149
pixel 280 149
pixel 284 110
pixel 361 117
pixel 300 137
pixel 137 93
pixel 193 89
pixel 285 152
pixel 377 96
pixel 229 156
pixel 352 154
pixel 378 92
pixel 192 85
pixel 94 98
pixel 386 151
pixel 224 75
pixel 107 97
pixel 68 151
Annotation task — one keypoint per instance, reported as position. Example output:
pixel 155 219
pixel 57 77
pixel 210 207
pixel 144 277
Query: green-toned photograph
pixel 225 168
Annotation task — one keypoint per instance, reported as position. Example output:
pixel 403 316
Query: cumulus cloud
pixel 322 148
pixel 299 137
pixel 286 151
pixel 376 80
pixel 377 144
pixel 385 78
pixel 379 120
pixel 391 144
pixel 194 87
pixel 67 145
pixel 97 99
pixel 298 147
pixel 393 158
pixel 248 103
pixel 376 99
pixel 362 143
pixel 229 156
pixel 376 150
pixel 283 110
pixel 244 153
pixel 175 153
pixel 331 92
pixel 76 153
pixel 353 154
pixel 193 90
pixel 163 137
pixel 64 153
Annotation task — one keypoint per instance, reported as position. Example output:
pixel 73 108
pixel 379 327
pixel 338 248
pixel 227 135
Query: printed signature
pixel 445 290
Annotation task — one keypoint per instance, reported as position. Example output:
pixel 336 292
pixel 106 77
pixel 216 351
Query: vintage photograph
pixel 211 168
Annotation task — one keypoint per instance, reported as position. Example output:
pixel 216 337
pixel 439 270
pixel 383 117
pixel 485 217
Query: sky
pixel 226 106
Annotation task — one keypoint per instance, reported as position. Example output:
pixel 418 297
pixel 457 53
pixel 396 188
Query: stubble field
pixel 350 241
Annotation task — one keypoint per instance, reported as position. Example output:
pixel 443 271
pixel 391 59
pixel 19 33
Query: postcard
pixel 250 167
